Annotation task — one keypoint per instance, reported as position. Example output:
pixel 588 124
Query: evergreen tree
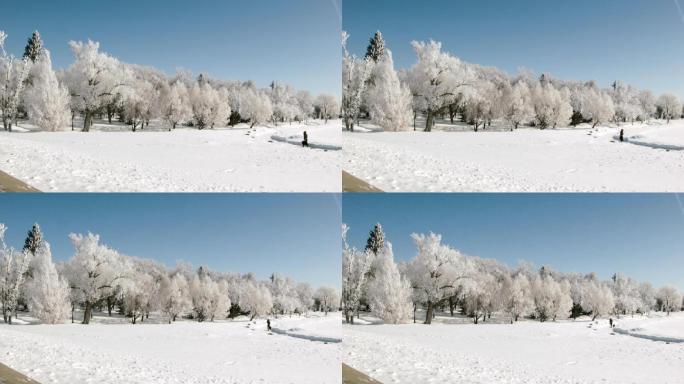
pixel 376 47
pixel 376 240
pixel 34 47
pixel 34 239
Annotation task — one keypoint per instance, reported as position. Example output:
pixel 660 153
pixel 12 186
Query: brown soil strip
pixel 352 376
pixel 10 376
pixel 352 183
pixel 11 184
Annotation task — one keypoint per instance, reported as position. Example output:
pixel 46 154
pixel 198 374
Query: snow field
pixel 183 160
pixel 658 327
pixel 183 352
pixel 526 352
pixel 526 160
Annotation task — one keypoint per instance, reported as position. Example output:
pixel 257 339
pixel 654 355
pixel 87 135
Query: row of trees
pixel 99 85
pixel 98 277
pixel 441 85
pixel 440 277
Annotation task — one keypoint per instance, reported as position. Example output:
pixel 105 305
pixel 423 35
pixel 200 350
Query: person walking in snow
pixel 622 135
pixel 305 142
pixel 610 321
pixel 268 324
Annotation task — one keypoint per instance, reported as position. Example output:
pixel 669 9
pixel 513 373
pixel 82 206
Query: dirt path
pixel 10 184
pixel 352 183
pixel 10 376
pixel 352 376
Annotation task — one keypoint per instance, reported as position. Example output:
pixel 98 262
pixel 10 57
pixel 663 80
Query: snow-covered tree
pixel 256 299
pixel 46 99
pixel 435 270
pixel 597 107
pixel 517 296
pixel 647 294
pixel 389 293
pixel 138 293
pixel 517 104
pixel 174 104
pixel 670 106
pixel 209 299
pixel 355 75
pixel 626 101
pixel 13 74
pixel 304 297
pixel 670 299
pixel 355 267
pixel 174 296
pixel 328 298
pixel 376 47
pixel 94 270
pixel 437 78
pixel 647 103
pixel 478 104
pixel 209 106
pixel 93 79
pixel 47 292
pixel 256 107
pixel 626 294
pixel 305 103
pixel 552 299
pixel 327 106
pixel 477 294
pixel 285 104
pixel 34 239
pixel 390 101
pixel 552 107
pixel 34 47
pixel 376 239
pixel 219 302
pixel 137 102
pixel 13 267
pixel 284 294
pixel 598 299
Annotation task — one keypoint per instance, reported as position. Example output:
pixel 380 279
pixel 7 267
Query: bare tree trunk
pixel 430 312
pixel 429 120
pixel 87 313
pixel 87 120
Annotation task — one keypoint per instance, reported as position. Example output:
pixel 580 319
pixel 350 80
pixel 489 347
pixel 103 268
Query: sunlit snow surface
pixel 527 160
pixel 569 351
pixel 111 158
pixel 182 352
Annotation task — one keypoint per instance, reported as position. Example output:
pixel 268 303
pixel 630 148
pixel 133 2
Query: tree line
pixel 440 84
pixel 99 278
pixel 97 85
pixel 440 277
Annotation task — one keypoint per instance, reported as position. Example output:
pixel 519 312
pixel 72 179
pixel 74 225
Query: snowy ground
pixel 659 328
pixel 182 352
pixel 112 158
pixel 451 159
pixel 577 352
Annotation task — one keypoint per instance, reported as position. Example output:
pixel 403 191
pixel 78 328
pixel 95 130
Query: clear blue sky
pixel 294 234
pixel 638 41
pixel 293 41
pixel 641 235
